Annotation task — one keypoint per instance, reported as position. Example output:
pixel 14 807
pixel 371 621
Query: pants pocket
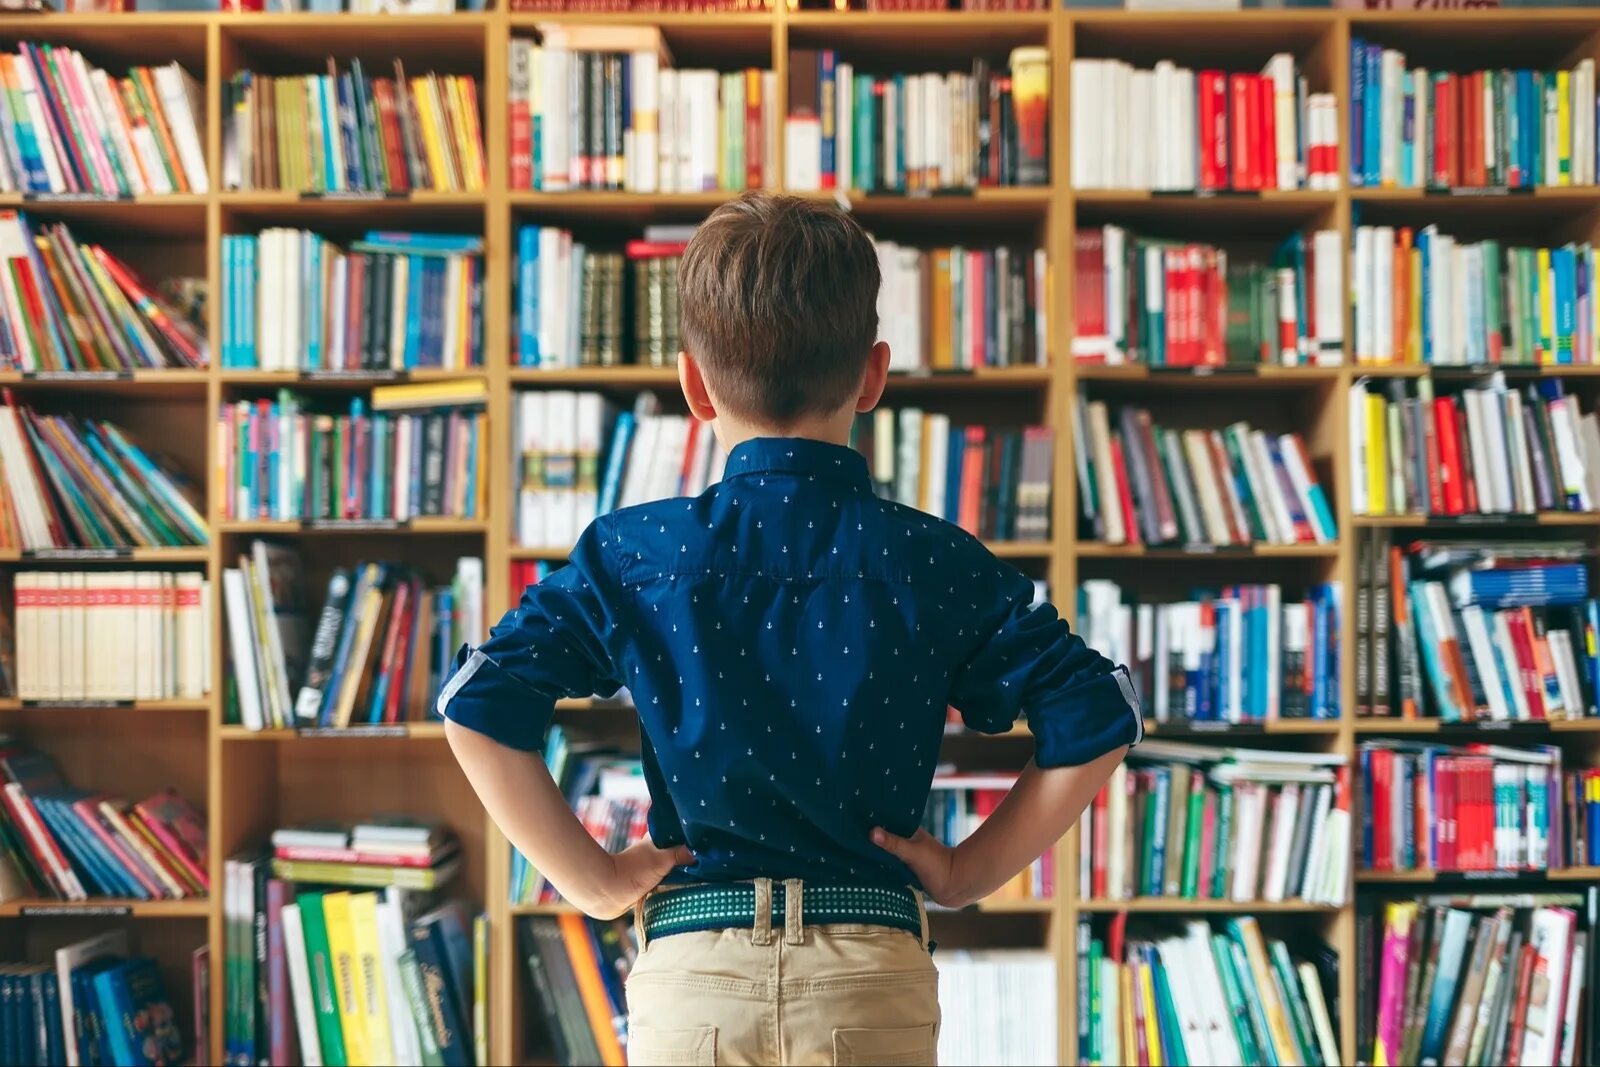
pixel 692 1047
pixel 910 1046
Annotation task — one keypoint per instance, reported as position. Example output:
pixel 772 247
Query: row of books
pixel 1484 449
pixel 993 481
pixel 320 976
pixel 413 451
pixel 579 457
pixel 1206 823
pixel 960 308
pixel 604 788
pixel 916 132
pixel 293 300
pixel 348 132
pixel 76 482
pixel 1422 296
pixel 603 107
pixel 1202 993
pixel 68 844
pixel 618 6
pixel 1418 128
pixel 67 126
pixel 997 1005
pixel 1478 978
pixel 1239 654
pixel 1502 631
pixel 386 851
pixel 112 635
pixel 957 805
pixel 71 306
pixel 92 1003
pixel 576 970
pixel 1172 129
pixel 1581 793
pixel 1143 483
pixel 1172 303
pixel 1473 807
pixel 574 303
pixel 382 644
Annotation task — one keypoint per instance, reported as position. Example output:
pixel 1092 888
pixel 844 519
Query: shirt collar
pixel 797 455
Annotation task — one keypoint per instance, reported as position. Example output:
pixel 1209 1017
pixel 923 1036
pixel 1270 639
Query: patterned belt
pixel 723 905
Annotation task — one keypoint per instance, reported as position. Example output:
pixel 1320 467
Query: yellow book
pixel 1377 472
pixel 1152 1028
pixel 943 343
pixel 356 674
pixel 1564 127
pixel 1547 308
pixel 463 313
pixel 438 172
pixel 374 1004
pixel 471 137
pixel 1248 934
pixel 423 396
pixel 1130 1038
pixel 447 143
pixel 348 987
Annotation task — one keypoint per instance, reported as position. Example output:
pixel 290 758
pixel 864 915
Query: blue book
pixel 1214 668
pixel 1563 263
pixel 898 118
pixel 1424 243
pixel 528 296
pixel 328 109
pixel 1408 125
pixel 419 244
pixel 416 281
pixel 954 459
pixel 616 460
pixel 827 64
pixel 355 172
pixel 1173 1051
pixel 1158 833
pixel 1452 946
pixel 1371 151
pixel 230 321
pixel 311 271
pixel 450 1029
pixel 474 428
pixel 371 574
pixel 252 260
pixel 443 641
pixel 1358 105
pixel 90 858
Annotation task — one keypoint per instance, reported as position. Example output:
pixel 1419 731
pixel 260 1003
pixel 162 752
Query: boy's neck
pixel 832 429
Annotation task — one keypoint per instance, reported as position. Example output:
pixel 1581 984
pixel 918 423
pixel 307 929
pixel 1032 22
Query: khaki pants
pixel 836 994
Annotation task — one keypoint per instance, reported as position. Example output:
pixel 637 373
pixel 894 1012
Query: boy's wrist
pixel 962 888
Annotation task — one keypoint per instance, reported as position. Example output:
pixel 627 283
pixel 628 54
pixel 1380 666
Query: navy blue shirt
pixel 792 643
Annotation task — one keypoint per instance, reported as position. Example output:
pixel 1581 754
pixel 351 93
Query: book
pixel 1425 128
pixel 390 301
pixel 1173 129
pixel 346 132
pixel 1176 303
pixel 957 805
pixel 112 635
pixel 1238 654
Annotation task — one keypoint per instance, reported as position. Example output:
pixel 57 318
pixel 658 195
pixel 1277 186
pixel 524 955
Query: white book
pixel 553 120
pixel 1145 90
pixel 404 1041
pixel 1277 875
pixel 1551 939
pixel 1366 296
pixel 181 100
pixel 1185 1001
pixel 938 464
pixel 561 428
pixel 667 143
pixel 195 626
pixel 1300 479
pixel 1110 1014
pixel 1524 498
pixel 1566 665
pixel 1303 884
pixel 121 135
pixel 1280 70
pixel 1248 801
pixel 1482 649
pixel 589 432
pixel 1589 436
pixel 1580 958
pixel 644 153
pixel 1117 821
pixel 1328 307
pixel 1391 69
pixel 241 639
pixel 843 124
pixel 529 444
pixel 305 1018
pixel 69 958
pixel 1081 82
pixel 1383 293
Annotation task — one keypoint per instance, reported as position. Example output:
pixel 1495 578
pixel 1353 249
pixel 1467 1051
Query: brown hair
pixel 779 305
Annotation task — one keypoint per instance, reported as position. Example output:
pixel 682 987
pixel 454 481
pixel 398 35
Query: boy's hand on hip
pixel 932 861
pixel 637 869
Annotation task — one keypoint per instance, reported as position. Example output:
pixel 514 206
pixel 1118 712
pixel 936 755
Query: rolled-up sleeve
pixel 1078 704
pixel 554 644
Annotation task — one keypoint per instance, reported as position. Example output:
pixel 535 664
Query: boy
pixel 791 643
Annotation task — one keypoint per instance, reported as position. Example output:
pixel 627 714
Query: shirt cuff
pixel 1101 715
pixel 483 697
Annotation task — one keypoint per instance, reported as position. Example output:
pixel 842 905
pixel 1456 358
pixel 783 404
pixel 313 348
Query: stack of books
pixel 916 132
pixel 383 642
pixel 603 107
pixel 92 1004
pixel 576 969
pixel 1479 978
pixel 74 482
pixel 1144 484
pixel 961 308
pixel 992 481
pixel 112 635
pixel 1422 296
pixel 325 976
pixel 70 127
pixel 604 788
pixel 76 307
pixel 292 300
pixel 412 451
pixel 1239 654
pixel 525 574
pixel 1172 129
pixel 1420 128
pixel 1503 630
pixel 1204 993
pixel 581 458
pixel 395 851
pixel 1472 807
pixel 977 987
pixel 957 805
pixel 68 844
pixel 1484 449
pixel 1206 823
pixel 348 132
pixel 1182 304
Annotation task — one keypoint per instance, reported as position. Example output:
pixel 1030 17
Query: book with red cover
pixel 1100 842
pixel 1382 769
pixel 1266 133
pixel 1119 465
pixel 1527 670
pixel 1211 91
pixel 752 129
pixel 972 478
pixel 1446 142
pixel 180 830
pixel 1519 1006
pixel 1449 457
pixel 1241 94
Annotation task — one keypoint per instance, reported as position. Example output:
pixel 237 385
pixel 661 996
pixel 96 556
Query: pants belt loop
pixel 638 922
pixel 793 915
pixel 762 932
pixel 922 913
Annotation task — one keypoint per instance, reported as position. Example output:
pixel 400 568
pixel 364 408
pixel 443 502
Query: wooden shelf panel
pixel 644 377
pixel 387 734
pixel 198 908
pixel 137 555
pixel 376 527
pixel 1515 728
pixel 1445 371
pixel 1184 906
pixel 1200 731
pixel 144 707
pixel 1482 881
pixel 1100 550
pixel 1479 522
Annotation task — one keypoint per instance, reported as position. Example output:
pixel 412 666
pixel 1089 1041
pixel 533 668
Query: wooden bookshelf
pixel 251 782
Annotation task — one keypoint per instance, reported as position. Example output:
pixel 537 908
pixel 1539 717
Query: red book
pixel 1211 88
pixel 1486 813
pixel 1527 672
pixel 1099 842
pixel 1382 766
pixel 1124 490
pixel 1473 170
pixel 363 856
pixel 1447 793
pixel 357 285
pixel 399 176
pixel 1267 133
pixel 1173 298
pixel 1216 311
pixel 654 249
pixel 1088 291
pixel 1241 130
pixel 1449 457
pixel 1519 1006
pixel 1444 132
pixel 971 480
pixel 389 662
pixel 1208 843
pixel 392 710
pixel 521 137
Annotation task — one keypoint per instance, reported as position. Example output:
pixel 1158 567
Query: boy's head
pixel 779 314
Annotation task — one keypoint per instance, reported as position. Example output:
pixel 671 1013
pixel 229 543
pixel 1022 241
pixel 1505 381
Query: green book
pixel 1234 994
pixel 319 961
pixel 411 979
pixel 1494 307
pixel 1267 1052
pixel 336 499
pixel 1219 861
pixel 1173 1052
pixel 1096 955
pixel 1191 845
pixel 1294 1002
pixel 1529 288
pixel 1234 443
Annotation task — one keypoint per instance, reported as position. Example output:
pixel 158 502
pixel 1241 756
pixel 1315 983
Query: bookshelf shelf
pixel 1002 549
pixel 1483 727
pixel 1181 906
pixel 1472 522
pixel 108 557
pixel 1097 550
pixel 1199 730
pixel 1486 879
pixel 388 733
pixel 1416 370
pixel 134 909
pixel 138 707
pixel 363 527
pixel 637 377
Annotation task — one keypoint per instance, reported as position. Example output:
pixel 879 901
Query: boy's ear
pixel 693 383
pixel 877 376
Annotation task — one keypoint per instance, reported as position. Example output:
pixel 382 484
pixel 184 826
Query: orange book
pixel 1401 298
pixel 596 1005
pixel 943 348
pixel 158 122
